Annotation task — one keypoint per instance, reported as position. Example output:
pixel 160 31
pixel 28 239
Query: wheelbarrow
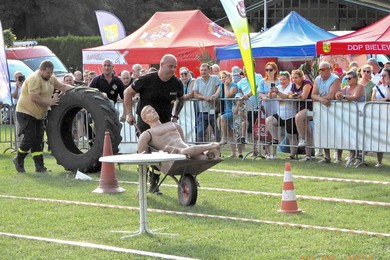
pixel 184 173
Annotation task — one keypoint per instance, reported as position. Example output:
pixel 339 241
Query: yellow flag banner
pixel 236 13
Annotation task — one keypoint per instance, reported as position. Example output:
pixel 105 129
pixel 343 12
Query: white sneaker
pixel 305 159
pixel 378 165
pixel 302 143
pixel 270 157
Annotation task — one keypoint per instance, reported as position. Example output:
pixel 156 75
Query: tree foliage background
pixel 44 18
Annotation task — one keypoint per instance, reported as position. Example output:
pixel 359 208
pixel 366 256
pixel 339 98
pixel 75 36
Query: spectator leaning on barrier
pixel 285 115
pixel 302 90
pixel 382 93
pixel 353 65
pixel 207 90
pixel 366 71
pixel 352 92
pixel 325 87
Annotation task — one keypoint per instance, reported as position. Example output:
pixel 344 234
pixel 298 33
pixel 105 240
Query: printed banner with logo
pixel 235 10
pixel 5 91
pixel 111 28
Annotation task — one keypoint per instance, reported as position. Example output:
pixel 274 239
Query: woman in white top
pixel 187 115
pixel 382 93
pixel 286 114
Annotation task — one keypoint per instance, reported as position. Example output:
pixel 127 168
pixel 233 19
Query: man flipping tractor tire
pixel 100 116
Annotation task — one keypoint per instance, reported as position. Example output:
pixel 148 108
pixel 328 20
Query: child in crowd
pixel 239 126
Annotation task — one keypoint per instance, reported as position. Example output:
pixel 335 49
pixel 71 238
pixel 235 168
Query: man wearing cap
pixel 236 73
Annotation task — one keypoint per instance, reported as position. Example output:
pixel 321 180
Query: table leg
pixel 142 199
pixel 143 208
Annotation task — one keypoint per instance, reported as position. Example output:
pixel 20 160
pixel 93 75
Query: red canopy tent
pixel 372 39
pixel 189 35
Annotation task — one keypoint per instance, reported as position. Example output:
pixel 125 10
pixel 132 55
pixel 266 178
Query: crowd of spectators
pixel 231 121
pixel 220 106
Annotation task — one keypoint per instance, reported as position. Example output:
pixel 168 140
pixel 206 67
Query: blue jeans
pixel 204 119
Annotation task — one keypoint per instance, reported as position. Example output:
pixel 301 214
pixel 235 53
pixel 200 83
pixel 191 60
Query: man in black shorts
pixel 162 90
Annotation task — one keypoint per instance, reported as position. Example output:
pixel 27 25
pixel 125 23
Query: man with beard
pixel 36 97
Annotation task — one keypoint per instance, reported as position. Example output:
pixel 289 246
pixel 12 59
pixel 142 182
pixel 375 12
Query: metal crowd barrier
pixel 336 126
pixel 7 129
pixel 375 127
pixel 361 127
pixel 190 115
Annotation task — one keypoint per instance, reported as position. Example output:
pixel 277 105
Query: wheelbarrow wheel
pixel 187 190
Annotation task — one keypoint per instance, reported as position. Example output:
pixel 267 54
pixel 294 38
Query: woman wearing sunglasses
pixel 285 116
pixel 382 93
pixel 187 118
pixel 270 79
pixel 352 92
pixel 366 81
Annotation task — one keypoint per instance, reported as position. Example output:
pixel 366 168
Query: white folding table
pixel 143 161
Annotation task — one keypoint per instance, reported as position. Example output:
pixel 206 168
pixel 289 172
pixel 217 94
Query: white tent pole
pixel 265 15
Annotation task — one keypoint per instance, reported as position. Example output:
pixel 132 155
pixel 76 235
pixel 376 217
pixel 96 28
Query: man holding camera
pixel 19 79
pixel 36 96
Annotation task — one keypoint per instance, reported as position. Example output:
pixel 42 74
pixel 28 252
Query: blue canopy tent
pixel 294 36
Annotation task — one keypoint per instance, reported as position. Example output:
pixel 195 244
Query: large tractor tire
pixel 101 115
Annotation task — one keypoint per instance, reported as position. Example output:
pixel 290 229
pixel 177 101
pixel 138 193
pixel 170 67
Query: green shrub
pixel 69 48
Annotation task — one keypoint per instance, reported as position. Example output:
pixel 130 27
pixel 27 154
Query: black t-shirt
pixel 159 94
pixel 112 90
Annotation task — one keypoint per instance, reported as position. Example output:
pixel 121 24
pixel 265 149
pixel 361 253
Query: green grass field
pixel 247 237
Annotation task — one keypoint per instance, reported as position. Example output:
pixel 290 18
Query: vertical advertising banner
pixel 111 28
pixel 235 10
pixel 5 91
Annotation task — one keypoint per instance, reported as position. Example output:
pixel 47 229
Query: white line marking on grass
pixel 286 224
pixel 303 177
pixel 97 246
pixel 272 194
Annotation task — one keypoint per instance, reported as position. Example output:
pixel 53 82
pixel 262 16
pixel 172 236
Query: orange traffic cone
pixel 289 201
pixel 108 182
